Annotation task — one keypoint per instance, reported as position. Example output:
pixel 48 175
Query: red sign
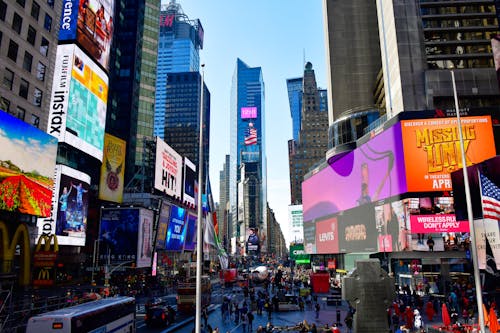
pixel 167 20
pixel 427 224
pixel 327 240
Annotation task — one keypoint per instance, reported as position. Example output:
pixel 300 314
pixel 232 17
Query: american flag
pixel 490 198
pixel 251 135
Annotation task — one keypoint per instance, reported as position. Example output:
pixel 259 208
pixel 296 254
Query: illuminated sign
pixel 188 193
pixel 327 236
pixel 119 234
pixel 167 20
pixel 437 223
pixel 145 238
pixel 432 149
pixel 168 169
pixel 249 112
pixel 112 169
pixel 8 248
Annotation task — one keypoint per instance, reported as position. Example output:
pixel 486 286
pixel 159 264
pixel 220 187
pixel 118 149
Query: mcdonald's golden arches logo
pixel 8 249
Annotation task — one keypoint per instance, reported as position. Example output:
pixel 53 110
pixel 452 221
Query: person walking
pixel 244 322
pixel 317 307
pixel 250 318
pixel 204 315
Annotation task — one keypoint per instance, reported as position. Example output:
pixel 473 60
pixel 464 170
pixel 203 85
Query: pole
pixel 199 233
pixel 477 281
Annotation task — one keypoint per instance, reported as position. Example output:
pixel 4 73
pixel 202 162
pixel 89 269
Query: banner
pixel 161 230
pixel 437 223
pixel 327 240
pixel 176 231
pixel 144 238
pixel 119 235
pixel 112 169
pixel 168 170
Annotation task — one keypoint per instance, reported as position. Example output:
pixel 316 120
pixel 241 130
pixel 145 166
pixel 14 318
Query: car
pixel 159 315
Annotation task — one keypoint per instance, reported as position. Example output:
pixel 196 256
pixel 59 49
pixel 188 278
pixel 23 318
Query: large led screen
pixel 145 238
pixel 77 112
pixel 119 234
pixel 188 193
pixel 168 169
pixel 176 231
pixel 249 112
pixel 190 243
pixel 432 149
pixel 372 172
pixel 112 169
pixel 327 238
pixel 27 162
pixel 310 238
pixel 357 230
pixel 161 232
pixel 90 24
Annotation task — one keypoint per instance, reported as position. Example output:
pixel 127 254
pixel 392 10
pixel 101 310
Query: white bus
pixel 116 314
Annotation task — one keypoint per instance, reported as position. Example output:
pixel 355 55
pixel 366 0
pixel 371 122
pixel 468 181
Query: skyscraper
pixel 247 144
pixel 223 212
pixel 294 87
pixel 178 51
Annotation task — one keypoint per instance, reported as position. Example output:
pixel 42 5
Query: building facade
pixel 223 212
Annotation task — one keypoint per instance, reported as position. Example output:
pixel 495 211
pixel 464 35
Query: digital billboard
pixel 295 223
pixel 357 230
pixel 190 242
pixel 77 111
pixel 327 240
pixel 253 241
pixel 298 254
pixel 437 223
pixel 432 149
pixel 310 237
pixel 372 172
pixel 168 169
pixel 27 162
pixel 176 231
pixel 145 238
pixel 163 219
pixel 90 24
pixel 188 193
pixel 112 169
pixel 249 112
pixel 71 210
pixel 119 234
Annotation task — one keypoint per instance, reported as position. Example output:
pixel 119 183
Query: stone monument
pixel 370 290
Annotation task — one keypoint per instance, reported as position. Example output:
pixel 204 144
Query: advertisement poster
pixel 310 237
pixel 370 173
pixel 357 230
pixel 112 169
pixel 437 223
pixel 249 112
pixel 145 238
pixel 90 24
pixel 27 162
pixel 432 149
pixel 176 231
pixel 168 170
pixel 163 220
pixel 190 243
pixel 119 234
pixel 253 241
pixel 327 240
pixel 77 113
pixel 485 230
pixel 188 193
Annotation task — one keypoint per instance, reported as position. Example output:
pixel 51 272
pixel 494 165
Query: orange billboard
pixel 112 169
pixel 432 149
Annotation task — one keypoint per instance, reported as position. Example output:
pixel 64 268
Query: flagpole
pixel 477 281
pixel 199 233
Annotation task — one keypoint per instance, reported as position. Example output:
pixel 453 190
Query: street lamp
pixel 477 281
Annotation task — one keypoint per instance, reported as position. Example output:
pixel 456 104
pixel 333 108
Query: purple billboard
pixel 372 172
pixel 176 231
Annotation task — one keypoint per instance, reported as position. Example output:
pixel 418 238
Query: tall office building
pixel 247 145
pixel 223 212
pixel 28 39
pixel 294 87
pixel 133 81
pixel 178 51
pixel 182 116
pixel 312 142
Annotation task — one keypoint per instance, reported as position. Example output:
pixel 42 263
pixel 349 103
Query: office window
pixel 8 78
pixel 44 47
pixel 12 52
pixel 5 104
pixel 21 113
pixel 40 71
pixel 50 3
pixel 17 23
pixel 22 2
pixel 35 120
pixel 37 97
pixel 47 23
pixel 28 61
pixel 3 10
pixel 35 10
pixel 23 88
pixel 31 35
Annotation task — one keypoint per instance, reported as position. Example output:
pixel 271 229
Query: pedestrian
pixel 418 322
pixel 348 323
pixel 429 310
pixel 244 322
pixel 204 315
pixel 335 328
pixel 317 307
pixel 250 320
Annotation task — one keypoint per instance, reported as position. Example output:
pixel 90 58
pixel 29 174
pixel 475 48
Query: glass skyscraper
pixel 178 51
pixel 247 143
pixel 294 87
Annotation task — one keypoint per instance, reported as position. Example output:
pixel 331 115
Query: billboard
pixel 161 232
pixel 27 162
pixel 188 193
pixel 372 172
pixel 168 169
pixel 357 230
pixel 437 223
pixel 295 223
pixel 298 254
pixel 90 24
pixel 77 111
pixel 432 149
pixel 118 235
pixel 112 169
pixel 253 241
pixel 176 231
pixel 310 238
pixel 190 242
pixel 327 240
pixel 145 238
pixel 249 112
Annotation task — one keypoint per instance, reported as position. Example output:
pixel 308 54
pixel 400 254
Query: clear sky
pixel 276 35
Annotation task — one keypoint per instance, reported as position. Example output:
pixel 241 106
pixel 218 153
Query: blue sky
pixel 274 35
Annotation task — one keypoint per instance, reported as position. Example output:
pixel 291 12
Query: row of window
pixel 24 87
pixel 19 112
pixel 17 20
